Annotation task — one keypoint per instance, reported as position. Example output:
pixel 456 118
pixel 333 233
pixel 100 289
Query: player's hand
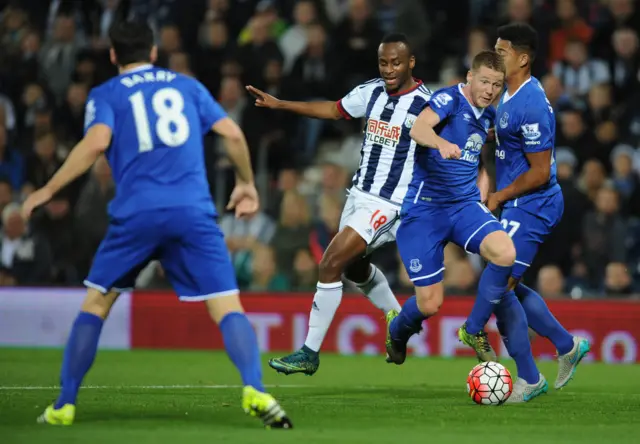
pixel 493 202
pixel 263 99
pixel 244 200
pixel 450 151
pixel 35 199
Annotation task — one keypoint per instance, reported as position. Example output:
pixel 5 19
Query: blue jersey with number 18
pixel 158 118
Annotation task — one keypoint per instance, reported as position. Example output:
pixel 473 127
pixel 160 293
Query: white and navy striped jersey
pixel 387 151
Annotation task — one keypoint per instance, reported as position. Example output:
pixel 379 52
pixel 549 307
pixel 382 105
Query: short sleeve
pixel 98 111
pixel 442 104
pixel 210 110
pixel 536 130
pixel 354 104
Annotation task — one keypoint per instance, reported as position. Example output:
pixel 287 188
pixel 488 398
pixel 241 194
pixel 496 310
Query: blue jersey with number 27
pixel 158 119
pixel 525 123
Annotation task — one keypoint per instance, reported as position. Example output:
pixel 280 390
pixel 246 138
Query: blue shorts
pixel 425 230
pixel 186 241
pixel 529 225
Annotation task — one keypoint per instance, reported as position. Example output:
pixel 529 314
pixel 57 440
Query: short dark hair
pixel 490 59
pixel 522 36
pixel 397 37
pixel 131 41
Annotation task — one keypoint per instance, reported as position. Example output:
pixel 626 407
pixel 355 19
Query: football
pixel 489 383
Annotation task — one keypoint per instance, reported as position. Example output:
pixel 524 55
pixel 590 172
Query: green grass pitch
pixel 180 397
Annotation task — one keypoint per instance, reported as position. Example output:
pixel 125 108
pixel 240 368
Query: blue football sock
pixel 491 288
pixel 241 344
pixel 542 321
pixel 79 355
pixel 408 322
pixel 512 324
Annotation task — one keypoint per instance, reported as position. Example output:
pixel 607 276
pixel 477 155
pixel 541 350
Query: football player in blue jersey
pixel 443 205
pixel 149 122
pixel 527 188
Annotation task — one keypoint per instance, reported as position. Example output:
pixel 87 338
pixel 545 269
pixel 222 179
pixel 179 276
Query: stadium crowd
pixel 54 51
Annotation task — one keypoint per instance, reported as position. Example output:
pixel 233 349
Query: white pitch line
pixel 145 387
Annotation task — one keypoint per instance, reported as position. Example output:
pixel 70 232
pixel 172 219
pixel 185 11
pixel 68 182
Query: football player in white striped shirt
pixel 370 217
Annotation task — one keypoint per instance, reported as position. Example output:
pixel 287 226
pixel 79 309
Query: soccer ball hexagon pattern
pixel 489 383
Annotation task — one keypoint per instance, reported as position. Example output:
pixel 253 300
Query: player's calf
pixel 239 338
pixel 401 326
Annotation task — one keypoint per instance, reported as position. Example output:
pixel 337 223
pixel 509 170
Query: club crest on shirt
pixel 504 120
pixel 415 265
pixel 409 121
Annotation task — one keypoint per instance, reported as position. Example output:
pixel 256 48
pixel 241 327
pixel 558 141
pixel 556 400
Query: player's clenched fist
pixel 450 151
pixel 263 99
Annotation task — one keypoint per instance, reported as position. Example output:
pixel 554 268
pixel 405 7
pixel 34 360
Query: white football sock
pixel 377 290
pixel 325 303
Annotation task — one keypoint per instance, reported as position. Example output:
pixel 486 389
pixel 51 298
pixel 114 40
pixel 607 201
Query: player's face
pixel 512 59
pixel 395 64
pixel 486 85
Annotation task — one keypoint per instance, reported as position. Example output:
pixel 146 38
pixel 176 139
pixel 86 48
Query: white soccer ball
pixel 489 383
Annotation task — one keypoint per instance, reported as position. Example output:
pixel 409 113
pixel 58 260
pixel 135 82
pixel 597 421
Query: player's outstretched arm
pixel 236 146
pixel 244 198
pixel 319 110
pixel 424 134
pixel 81 158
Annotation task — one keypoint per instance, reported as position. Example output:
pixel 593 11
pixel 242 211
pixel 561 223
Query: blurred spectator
pixel 25 257
pixel 603 235
pixel 550 282
pixel 624 63
pixel 44 161
pixel 11 162
pixel 180 62
pixel 477 41
pixel 70 116
pixel 617 280
pixel 293 230
pixel 555 93
pixel 305 269
pixel 264 271
pixel 91 217
pixel 57 56
pixel 592 178
pixel 294 40
pixel 266 13
pixel 577 72
pixel 573 133
pixel 460 277
pixel 571 26
pixel 327 225
pixel 625 181
pixel 6 193
pixel 356 39
pixel 254 54
pixel 620 13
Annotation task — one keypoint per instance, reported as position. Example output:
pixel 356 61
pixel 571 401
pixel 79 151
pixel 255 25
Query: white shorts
pixel 375 220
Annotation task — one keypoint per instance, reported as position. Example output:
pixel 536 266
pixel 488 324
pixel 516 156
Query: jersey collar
pixel 138 69
pixel 506 97
pixel 407 91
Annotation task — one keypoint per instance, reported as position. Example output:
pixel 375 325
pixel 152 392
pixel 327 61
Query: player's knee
pixel 429 299
pixel 98 304
pixel 498 249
